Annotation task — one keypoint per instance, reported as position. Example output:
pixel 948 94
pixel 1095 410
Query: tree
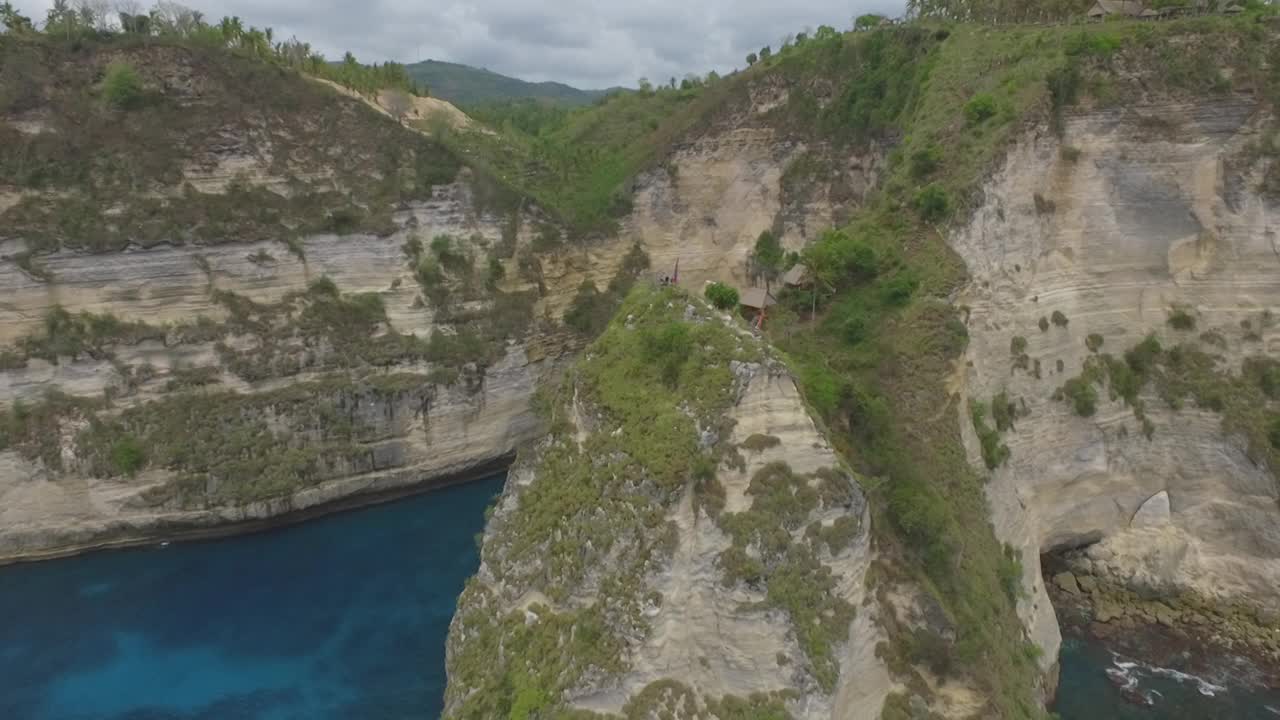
pixel 121 87
pixel 646 87
pixel 867 21
pixel 722 296
pixel 14 21
pixel 765 52
pixel 399 104
pixel 751 59
pixel 61 20
pixel 95 14
pixel 825 32
pixel 767 258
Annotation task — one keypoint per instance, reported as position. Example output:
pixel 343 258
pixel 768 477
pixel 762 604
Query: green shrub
pixel 668 347
pixel 1143 356
pixel 722 296
pixel 932 203
pixel 1018 345
pixel 994 452
pixel 1044 324
pixel 897 291
pixel 1094 342
pixel 121 88
pixel 1083 396
pixel 1180 319
pixel 496 272
pixel 855 327
pixel 924 161
pixel 1059 319
pixel 590 310
pixel 979 108
pixel 1269 380
pixel 127 456
pixel 760 443
pixel 1010 572
pixel 1003 411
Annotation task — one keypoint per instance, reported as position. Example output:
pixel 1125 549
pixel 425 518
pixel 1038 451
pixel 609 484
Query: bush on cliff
pixel 722 296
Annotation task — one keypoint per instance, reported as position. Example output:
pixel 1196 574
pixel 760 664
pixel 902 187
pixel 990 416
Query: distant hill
pixel 466 85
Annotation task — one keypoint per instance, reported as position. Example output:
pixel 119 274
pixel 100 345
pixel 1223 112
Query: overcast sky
pixel 589 44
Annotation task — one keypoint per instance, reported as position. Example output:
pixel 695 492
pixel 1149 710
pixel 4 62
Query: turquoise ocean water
pixel 1099 684
pixel 345 617
pixel 340 617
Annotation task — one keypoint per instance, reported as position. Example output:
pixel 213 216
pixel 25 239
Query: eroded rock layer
pixel 1146 221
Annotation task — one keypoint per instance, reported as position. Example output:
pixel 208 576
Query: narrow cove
pixel 340 617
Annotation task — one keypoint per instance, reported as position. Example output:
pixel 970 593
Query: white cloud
pixel 584 43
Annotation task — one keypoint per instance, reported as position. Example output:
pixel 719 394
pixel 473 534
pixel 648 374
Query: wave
pixel 1127 674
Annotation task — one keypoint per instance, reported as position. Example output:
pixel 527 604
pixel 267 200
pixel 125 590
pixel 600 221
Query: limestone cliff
pixel 268 266
pixel 684 542
pixel 1144 220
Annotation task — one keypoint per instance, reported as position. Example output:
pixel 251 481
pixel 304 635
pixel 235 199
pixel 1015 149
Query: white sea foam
pixel 1129 672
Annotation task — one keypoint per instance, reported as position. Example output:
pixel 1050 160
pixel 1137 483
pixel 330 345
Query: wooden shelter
pixel 1103 9
pixel 797 276
pixel 757 299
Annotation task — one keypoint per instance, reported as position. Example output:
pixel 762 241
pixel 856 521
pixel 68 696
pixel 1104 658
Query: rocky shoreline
pixel 1186 631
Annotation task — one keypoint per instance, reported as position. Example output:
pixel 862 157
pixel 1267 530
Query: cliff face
pixel 240 313
pixel 697 552
pixel 437 427
pixel 1150 220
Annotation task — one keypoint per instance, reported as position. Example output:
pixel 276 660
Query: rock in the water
pixel 1088 583
pixel 1165 615
pixel 1107 610
pixel 1154 512
pixel 1066 581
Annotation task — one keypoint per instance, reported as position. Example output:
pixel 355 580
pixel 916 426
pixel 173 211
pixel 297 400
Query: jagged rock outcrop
pixel 1146 219
pixel 707 540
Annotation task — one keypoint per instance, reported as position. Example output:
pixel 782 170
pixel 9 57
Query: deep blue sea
pixel 1095 681
pixel 343 617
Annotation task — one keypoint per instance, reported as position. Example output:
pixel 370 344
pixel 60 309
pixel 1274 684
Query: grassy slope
pixel 466 85
pixel 199 105
pixel 578 164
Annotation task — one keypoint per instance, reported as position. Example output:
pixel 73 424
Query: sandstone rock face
pixel 1149 209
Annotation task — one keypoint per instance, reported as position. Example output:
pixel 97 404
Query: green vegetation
pixel 121 88
pixel 1094 342
pixel 225 448
pixel 994 452
pixel 111 167
pixel 875 370
pixel 478 91
pixel 1180 319
pixel 760 443
pixel 598 509
pixel 85 334
pixel 591 309
pixel 980 108
pixel 793 578
pixel 722 296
